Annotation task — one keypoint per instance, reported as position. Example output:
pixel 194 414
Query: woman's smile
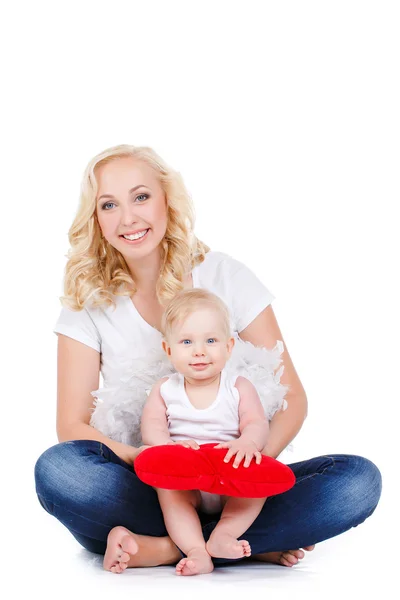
pixel 135 238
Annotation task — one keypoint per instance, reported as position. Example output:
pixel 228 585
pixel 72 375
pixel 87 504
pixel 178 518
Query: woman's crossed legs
pixel 99 498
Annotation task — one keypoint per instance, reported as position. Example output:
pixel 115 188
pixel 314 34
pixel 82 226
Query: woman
pixel 132 249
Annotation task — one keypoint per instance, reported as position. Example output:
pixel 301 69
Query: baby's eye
pixel 212 340
pixel 183 341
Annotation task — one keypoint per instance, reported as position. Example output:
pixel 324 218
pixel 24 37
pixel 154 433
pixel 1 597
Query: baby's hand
pixel 242 449
pixel 187 444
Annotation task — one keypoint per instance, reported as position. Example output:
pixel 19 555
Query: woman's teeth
pixel 135 236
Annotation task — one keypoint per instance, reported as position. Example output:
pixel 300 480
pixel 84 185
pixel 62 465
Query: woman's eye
pixel 141 198
pixel 107 204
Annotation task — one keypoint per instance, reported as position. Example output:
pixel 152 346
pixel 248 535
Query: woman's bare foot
pixel 288 558
pixel 224 545
pixel 197 562
pixel 127 549
pixel 121 546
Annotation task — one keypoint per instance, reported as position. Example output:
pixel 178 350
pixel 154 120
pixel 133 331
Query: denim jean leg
pixel 89 489
pixel 331 494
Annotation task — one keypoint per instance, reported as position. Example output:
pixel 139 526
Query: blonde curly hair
pixel 96 271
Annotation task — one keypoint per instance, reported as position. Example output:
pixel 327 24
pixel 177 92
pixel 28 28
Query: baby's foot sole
pixel 288 558
pixel 195 564
pixel 226 546
pixel 121 546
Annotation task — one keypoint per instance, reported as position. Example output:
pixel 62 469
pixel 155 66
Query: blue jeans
pixel 90 490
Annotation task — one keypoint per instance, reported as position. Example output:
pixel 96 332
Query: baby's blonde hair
pixel 96 271
pixel 187 302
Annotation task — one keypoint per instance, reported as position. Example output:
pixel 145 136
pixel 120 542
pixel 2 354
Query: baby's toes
pixel 246 547
pixel 179 566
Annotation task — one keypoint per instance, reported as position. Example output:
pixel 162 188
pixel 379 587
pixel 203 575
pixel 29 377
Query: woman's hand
pixel 187 444
pixel 244 449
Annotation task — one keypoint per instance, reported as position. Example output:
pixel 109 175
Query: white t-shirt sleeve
pixel 248 295
pixel 79 326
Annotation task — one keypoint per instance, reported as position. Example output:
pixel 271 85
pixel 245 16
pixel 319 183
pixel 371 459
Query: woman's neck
pixel 145 273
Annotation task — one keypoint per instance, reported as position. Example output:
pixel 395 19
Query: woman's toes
pixel 290 558
pixel 124 557
pixel 285 562
pixel 287 558
pixel 116 569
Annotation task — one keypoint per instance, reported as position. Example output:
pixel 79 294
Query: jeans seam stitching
pixel 315 474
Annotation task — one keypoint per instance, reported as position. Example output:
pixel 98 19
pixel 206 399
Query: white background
pixel 283 118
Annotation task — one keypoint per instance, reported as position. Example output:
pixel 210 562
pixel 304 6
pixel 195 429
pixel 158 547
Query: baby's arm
pixel 253 427
pixel 154 424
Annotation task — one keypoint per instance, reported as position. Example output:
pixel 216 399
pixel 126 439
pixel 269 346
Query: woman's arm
pixel 253 424
pixel 285 425
pixel 154 424
pixel 78 368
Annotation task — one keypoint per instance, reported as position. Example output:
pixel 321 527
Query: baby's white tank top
pixel 219 422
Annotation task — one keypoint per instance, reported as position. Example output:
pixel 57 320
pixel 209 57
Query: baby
pixel 200 404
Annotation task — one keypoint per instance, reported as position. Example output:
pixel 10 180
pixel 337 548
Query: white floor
pixel 55 566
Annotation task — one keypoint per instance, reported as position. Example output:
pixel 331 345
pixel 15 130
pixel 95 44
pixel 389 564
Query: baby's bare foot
pixel 287 559
pixel 121 546
pixel 197 562
pixel 224 545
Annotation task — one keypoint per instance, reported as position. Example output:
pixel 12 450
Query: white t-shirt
pixel 121 333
